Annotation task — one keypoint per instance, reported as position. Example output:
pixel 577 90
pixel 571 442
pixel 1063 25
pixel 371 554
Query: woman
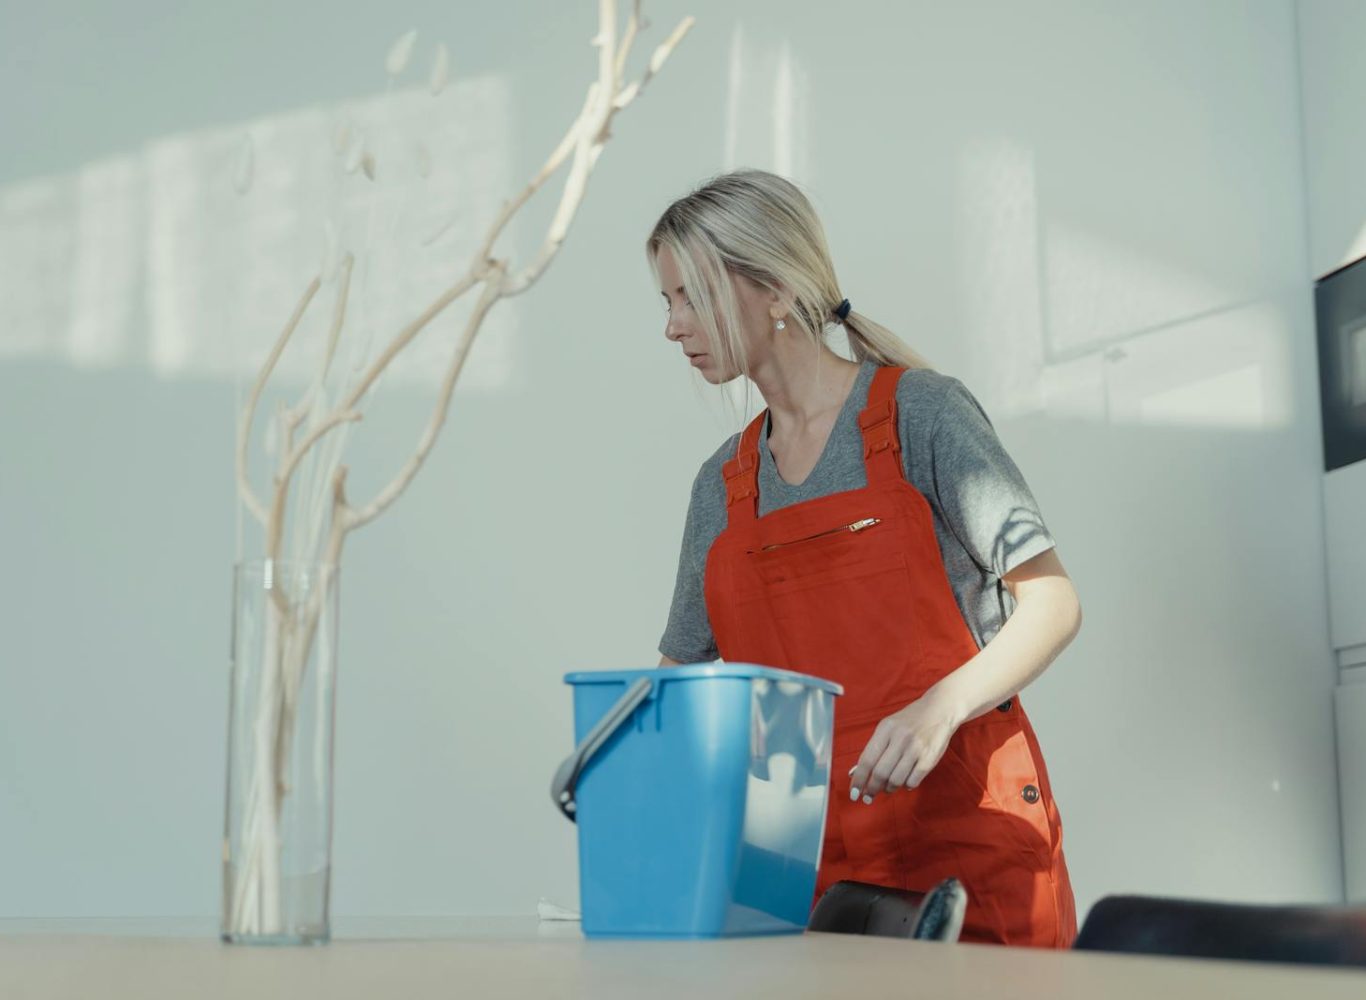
pixel 866 528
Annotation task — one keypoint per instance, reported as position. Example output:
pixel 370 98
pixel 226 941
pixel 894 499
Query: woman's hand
pixel 905 747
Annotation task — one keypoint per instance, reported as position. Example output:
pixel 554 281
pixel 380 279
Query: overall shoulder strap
pixel 881 439
pixel 742 475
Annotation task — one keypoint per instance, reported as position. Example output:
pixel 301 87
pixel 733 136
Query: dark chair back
pixel 1314 935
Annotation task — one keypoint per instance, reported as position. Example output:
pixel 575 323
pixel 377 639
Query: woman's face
pixel 758 311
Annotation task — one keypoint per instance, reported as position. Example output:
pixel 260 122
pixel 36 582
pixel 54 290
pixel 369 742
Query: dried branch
pixel 657 61
pixel 490 295
pixel 253 503
pixel 585 139
pixel 406 335
pixel 592 131
pixel 295 415
pixel 552 164
pixel 633 27
pixel 275 526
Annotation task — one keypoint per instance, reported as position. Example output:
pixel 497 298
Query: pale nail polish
pixel 853 795
pixel 867 800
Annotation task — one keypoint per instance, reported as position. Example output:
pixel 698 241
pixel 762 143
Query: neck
pixel 803 387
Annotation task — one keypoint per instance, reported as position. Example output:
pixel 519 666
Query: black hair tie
pixel 842 310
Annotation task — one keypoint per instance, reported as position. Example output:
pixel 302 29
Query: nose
pixel 673 330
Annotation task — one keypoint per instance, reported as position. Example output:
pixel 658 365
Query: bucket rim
pixel 702 671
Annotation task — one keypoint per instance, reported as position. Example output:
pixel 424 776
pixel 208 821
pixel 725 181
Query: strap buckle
pixel 879 428
pixel 742 479
pixel 874 413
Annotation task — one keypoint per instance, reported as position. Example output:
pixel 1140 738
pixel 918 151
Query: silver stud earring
pixel 782 325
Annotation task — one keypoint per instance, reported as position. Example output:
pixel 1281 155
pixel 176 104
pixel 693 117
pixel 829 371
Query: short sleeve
pixel 981 493
pixel 688 636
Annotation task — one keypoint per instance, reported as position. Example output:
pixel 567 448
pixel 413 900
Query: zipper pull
pixel 867 522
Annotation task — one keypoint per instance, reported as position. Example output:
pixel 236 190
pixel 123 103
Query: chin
pixel 713 374
pixel 717 378
pixel 717 375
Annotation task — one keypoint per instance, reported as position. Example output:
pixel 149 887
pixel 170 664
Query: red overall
pixel 851 587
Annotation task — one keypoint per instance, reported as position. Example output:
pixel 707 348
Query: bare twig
pixel 633 27
pixel 390 493
pixel 657 61
pixel 254 505
pixel 593 133
pixel 296 414
pixel 585 139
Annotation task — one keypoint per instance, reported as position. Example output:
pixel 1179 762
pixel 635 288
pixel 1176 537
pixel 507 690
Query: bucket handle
pixel 567 777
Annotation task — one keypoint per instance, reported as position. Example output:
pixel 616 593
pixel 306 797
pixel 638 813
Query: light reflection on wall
pixel 1223 370
pixel 767 126
pixel 767 121
pixel 1064 321
pixel 154 259
pixel 998 267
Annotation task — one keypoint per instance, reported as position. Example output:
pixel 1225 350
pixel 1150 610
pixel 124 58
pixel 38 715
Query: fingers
pixel 901 752
pixel 902 772
pixel 880 758
pixel 862 771
pixel 877 781
pixel 889 763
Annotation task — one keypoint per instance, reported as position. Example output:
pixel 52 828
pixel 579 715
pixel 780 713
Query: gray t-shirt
pixel 985 518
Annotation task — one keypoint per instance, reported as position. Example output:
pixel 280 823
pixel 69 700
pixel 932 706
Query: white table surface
pixel 520 957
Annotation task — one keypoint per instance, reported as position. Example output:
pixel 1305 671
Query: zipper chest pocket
pixel 854 527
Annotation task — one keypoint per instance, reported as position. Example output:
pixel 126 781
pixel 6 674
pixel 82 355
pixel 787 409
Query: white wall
pixel 1335 153
pixel 1335 164
pixel 1092 213
pixel 1334 84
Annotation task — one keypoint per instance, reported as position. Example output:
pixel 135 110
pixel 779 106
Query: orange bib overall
pixel 851 587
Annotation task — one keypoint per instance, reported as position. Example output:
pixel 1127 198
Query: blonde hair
pixel 757 224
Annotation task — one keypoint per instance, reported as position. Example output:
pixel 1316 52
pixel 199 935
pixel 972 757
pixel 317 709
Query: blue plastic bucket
pixel 700 796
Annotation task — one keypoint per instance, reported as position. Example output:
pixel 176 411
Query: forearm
pixel 1042 625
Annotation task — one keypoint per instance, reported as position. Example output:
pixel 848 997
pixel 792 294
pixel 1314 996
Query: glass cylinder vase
pixel 277 832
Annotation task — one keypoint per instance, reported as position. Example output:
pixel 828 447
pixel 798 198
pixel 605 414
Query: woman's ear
pixel 779 302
